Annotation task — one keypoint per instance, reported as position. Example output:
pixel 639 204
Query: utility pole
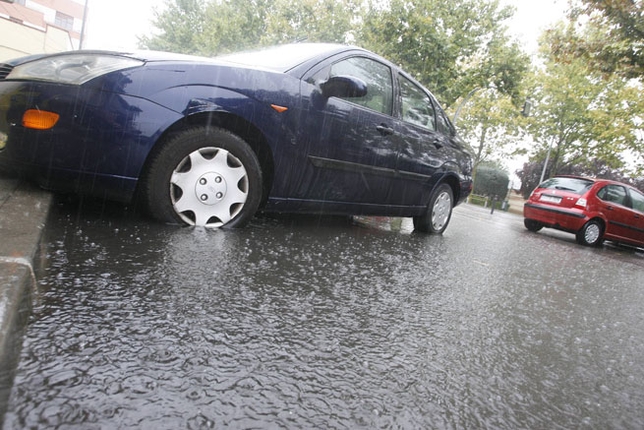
pixel 82 35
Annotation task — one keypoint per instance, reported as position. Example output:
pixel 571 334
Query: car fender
pixel 453 179
pixel 594 214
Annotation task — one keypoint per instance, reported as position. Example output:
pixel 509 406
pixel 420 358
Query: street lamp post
pixel 82 35
pixel 545 165
pixel 465 100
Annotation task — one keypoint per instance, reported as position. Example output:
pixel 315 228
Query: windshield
pixel 573 185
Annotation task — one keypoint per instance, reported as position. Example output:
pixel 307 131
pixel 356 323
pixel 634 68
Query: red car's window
pixel 573 185
pixel 637 200
pixel 613 194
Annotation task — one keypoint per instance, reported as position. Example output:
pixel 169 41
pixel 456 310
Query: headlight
pixel 73 68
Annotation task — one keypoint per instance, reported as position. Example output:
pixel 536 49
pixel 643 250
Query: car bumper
pixel 566 219
pixel 98 145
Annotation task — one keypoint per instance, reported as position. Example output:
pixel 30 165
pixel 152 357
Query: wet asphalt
pixel 328 322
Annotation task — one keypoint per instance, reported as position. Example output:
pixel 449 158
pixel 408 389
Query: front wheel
pixel 439 211
pixel 205 177
pixel 591 234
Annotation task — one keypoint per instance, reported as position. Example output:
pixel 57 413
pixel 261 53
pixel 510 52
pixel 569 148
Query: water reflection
pixel 312 322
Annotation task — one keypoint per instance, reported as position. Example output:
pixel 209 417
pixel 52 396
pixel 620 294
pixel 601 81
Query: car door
pixel 637 206
pixel 615 204
pixel 349 151
pixel 422 144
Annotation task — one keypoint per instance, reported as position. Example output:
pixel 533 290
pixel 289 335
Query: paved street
pixel 320 322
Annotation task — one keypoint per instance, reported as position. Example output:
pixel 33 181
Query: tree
pixel 581 117
pixel 451 47
pixel 329 21
pixel 491 181
pixel 182 24
pixel 608 35
pixel 221 26
pixel 490 124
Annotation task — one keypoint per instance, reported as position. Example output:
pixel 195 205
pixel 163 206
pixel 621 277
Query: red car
pixel 593 209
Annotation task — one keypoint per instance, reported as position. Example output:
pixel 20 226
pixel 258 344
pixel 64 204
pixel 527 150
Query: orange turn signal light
pixel 39 119
pixel 279 108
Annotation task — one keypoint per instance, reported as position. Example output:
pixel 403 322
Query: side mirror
pixel 344 87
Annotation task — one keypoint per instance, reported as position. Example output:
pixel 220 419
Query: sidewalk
pixel 23 212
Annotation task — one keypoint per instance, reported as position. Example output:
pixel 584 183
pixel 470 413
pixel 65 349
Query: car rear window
pixel 573 185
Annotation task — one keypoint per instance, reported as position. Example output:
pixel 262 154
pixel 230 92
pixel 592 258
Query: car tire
pixel 532 225
pixel 439 211
pixel 204 176
pixel 591 234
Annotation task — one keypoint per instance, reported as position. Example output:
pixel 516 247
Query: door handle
pixel 437 143
pixel 384 130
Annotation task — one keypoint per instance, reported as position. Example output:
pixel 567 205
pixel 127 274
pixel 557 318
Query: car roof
pixel 284 57
pixel 595 180
pixel 278 58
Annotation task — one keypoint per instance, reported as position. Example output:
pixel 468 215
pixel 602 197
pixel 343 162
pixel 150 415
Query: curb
pixel 23 214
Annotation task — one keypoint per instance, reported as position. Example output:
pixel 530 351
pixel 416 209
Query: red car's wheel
pixel 532 225
pixel 591 234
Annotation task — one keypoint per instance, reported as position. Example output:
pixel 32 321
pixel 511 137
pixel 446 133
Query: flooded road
pixel 311 322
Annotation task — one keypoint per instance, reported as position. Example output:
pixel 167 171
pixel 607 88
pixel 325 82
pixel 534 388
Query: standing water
pixel 325 323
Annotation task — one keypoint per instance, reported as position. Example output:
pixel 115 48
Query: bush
pixel 491 182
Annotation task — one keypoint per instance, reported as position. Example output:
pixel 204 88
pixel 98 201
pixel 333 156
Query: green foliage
pixel 586 119
pixel 183 25
pixel 220 26
pixel 490 181
pixel 451 47
pixel 329 21
pixel 489 122
pixel 607 35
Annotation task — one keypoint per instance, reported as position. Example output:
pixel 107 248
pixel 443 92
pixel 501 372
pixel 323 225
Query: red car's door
pixel 637 204
pixel 623 222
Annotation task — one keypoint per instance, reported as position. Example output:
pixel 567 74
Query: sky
pixel 109 27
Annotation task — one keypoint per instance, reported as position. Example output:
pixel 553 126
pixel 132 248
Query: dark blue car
pixel 296 128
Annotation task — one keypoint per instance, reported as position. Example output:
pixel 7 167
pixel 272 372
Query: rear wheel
pixel 532 225
pixel 205 177
pixel 591 234
pixel 439 211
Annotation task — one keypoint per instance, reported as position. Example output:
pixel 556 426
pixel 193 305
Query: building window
pixel 64 21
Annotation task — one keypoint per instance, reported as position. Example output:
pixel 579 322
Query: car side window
pixel 376 75
pixel 613 194
pixel 444 125
pixel 637 200
pixel 417 107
